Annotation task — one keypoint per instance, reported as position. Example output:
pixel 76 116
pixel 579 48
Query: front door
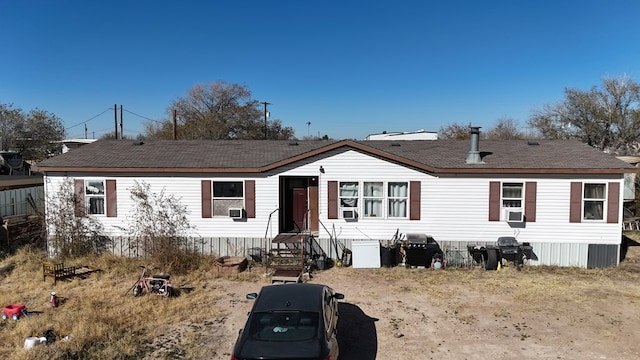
pixel 300 206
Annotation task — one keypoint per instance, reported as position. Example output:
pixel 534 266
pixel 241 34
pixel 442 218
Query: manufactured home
pixel 562 197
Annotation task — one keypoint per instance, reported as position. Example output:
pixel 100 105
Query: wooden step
pixel 285 267
pixel 286 252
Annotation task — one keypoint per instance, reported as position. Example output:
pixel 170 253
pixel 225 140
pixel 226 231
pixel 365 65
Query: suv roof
pixel 302 297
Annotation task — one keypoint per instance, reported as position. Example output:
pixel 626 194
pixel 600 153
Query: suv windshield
pixel 284 326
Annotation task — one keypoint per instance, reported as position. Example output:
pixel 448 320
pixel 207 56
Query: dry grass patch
pixel 106 322
pixel 102 318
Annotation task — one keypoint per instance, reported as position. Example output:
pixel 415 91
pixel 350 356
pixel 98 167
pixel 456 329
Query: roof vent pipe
pixel 474 152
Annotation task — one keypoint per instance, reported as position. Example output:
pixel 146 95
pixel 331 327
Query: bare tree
pixel 159 226
pixel 70 232
pixel 455 131
pixel 218 111
pixel 505 129
pixel 605 117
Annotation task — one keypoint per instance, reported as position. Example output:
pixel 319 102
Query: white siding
pixel 453 209
pixel 457 209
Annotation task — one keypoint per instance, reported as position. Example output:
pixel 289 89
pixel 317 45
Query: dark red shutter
pixel 332 195
pixel 575 203
pixel 530 193
pixel 313 204
pixel 112 199
pixel 613 202
pixel 207 206
pixel 414 200
pixel 78 190
pixel 494 201
pixel 250 198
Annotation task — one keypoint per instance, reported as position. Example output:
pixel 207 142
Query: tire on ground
pixel 492 259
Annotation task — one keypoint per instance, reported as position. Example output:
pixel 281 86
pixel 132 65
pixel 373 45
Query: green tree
pixel 40 135
pixel 218 111
pixel 11 119
pixel 36 134
pixel 606 117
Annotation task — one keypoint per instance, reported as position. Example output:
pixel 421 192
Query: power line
pixel 86 121
pixel 138 115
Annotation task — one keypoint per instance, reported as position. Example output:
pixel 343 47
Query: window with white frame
pixel 94 196
pixel 227 195
pixel 373 196
pixel 398 196
pixel 512 195
pixel 593 201
pixel 348 194
pixel 378 199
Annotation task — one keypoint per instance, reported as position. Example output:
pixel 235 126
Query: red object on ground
pixel 14 309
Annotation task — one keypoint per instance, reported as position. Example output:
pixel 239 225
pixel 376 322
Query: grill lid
pixel 418 238
pixel 507 241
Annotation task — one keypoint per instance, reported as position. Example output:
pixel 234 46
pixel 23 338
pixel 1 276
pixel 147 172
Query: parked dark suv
pixel 290 321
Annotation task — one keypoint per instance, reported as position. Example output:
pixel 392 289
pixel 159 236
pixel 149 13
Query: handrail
pixel 266 232
pixel 305 228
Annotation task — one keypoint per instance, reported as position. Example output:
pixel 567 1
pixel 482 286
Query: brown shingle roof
pixel 438 156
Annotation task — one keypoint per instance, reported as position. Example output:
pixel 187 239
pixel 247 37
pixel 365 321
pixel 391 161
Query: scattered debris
pixel 14 311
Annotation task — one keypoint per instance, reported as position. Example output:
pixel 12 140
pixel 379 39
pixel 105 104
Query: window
pixel 398 195
pixel 373 199
pixel 512 195
pixel 593 200
pixel 284 326
pixel 226 195
pixel 94 196
pixel 379 199
pixel 348 193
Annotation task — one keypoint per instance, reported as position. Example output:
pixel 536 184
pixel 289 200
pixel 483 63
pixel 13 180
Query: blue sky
pixel 350 68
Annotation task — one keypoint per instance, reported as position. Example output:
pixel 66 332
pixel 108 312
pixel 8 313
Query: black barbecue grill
pixel 420 249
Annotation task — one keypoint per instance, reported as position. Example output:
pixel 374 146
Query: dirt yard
pixel 387 313
pixel 536 313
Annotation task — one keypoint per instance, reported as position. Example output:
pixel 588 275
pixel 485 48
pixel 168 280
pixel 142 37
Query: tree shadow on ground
pixel 357 337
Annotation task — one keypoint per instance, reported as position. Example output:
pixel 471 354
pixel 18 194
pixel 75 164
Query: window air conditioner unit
pixel 349 214
pixel 236 213
pixel 514 215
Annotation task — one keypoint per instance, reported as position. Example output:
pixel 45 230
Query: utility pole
pixel 121 132
pixel 308 128
pixel 85 131
pixel 266 114
pixel 115 116
pixel 175 124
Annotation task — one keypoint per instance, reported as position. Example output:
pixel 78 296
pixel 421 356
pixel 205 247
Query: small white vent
pixel 236 213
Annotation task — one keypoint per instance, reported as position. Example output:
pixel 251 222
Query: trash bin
pixel 388 255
